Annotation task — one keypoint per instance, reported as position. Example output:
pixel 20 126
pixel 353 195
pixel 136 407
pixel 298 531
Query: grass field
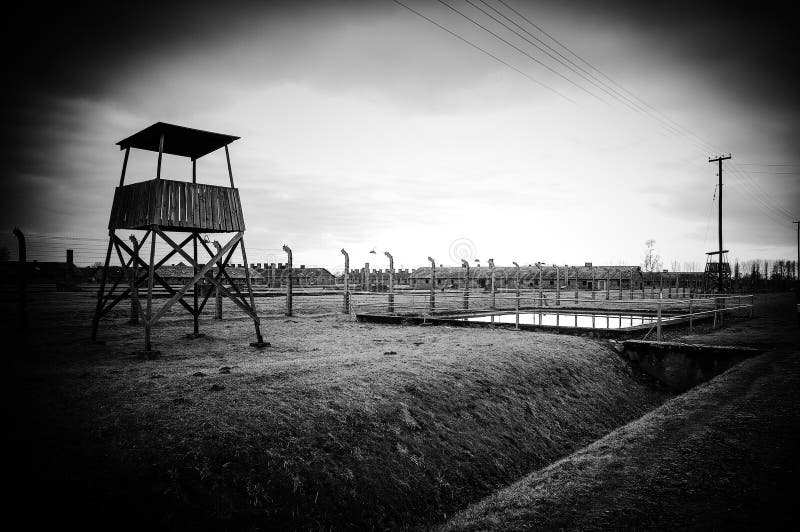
pixel 338 424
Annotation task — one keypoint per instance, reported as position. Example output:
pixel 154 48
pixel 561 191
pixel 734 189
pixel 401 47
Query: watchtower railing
pixel 177 206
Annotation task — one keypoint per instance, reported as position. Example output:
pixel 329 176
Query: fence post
pixel 433 285
pixel 690 314
pixel 465 264
pixel 346 298
pixel 134 274
pixel 577 282
pixel 630 283
pixel 752 304
pixel 517 298
pixel 491 274
pixel 541 290
pixel 391 281
pixel 558 286
pixel 22 279
pixel 594 282
pixel 620 285
pixel 658 322
pixel 608 285
pixel 288 251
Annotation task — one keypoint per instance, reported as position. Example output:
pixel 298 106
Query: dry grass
pixel 721 456
pixel 338 424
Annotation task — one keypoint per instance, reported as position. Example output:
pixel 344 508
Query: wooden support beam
pixel 148 324
pixel 230 171
pixel 256 322
pixel 101 290
pixel 136 308
pixel 199 275
pixel 124 166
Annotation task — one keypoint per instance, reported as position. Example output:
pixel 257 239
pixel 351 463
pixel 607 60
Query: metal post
pixel 491 274
pixel 558 286
pixel 620 285
pixel 391 281
pixel 288 280
pixel 691 316
pixel 346 299
pixel 465 264
pixel 608 285
pixel 433 285
pixel 22 279
pixel 594 283
pixel 517 298
pixel 541 290
pixel 658 318
pixel 630 284
pixel 577 283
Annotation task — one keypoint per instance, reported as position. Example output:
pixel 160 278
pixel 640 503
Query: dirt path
pixel 721 456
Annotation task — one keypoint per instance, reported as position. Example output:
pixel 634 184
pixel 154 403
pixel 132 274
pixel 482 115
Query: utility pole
pixel 719 160
pixel 797 264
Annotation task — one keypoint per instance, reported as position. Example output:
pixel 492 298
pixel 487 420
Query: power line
pixel 769 164
pixel 572 66
pixel 499 60
pixel 516 48
pixel 659 116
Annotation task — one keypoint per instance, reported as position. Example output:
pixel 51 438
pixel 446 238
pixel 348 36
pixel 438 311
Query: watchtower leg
pixel 148 320
pixel 259 340
pixel 102 290
pixel 196 313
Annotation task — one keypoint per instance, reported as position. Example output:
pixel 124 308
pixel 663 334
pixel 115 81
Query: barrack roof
pixel 178 140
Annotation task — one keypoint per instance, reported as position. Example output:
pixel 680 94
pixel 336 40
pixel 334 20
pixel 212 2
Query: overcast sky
pixel 364 125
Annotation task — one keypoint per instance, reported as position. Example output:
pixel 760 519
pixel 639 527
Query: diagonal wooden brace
pixel 240 301
pixel 199 275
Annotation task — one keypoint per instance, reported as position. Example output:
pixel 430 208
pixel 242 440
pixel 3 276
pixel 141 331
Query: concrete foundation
pixel 682 366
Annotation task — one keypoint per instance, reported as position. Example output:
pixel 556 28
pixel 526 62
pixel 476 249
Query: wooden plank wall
pixel 177 205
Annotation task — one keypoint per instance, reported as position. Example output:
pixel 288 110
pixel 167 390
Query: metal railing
pixel 457 305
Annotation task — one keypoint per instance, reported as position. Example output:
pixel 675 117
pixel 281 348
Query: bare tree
pixel 652 260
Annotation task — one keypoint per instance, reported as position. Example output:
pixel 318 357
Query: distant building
pixel 277 275
pixel 585 277
pixel 180 274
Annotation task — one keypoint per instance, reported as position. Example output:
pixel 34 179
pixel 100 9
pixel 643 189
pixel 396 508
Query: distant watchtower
pixel 161 206
pixel 718 272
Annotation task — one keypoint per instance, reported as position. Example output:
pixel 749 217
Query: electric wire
pixel 486 52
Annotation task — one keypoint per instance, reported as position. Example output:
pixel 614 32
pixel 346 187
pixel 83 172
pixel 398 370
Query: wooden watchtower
pixel 161 207
pixel 718 272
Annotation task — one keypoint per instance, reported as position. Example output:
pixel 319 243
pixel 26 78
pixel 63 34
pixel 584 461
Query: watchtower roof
pixel 178 140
